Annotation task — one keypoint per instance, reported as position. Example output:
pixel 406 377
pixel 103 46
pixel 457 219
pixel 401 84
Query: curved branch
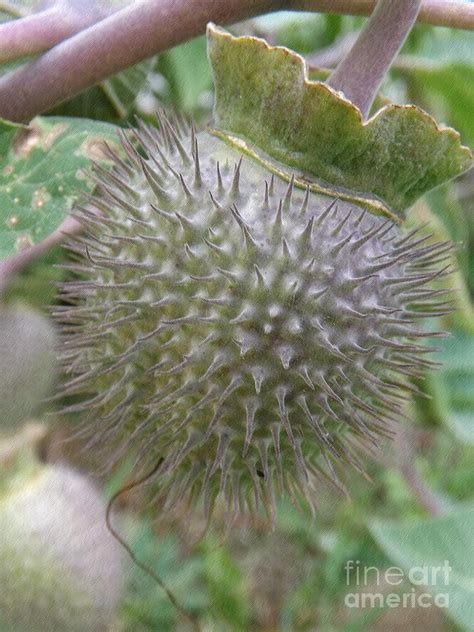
pixel 456 15
pixel 13 265
pixel 41 31
pixel 148 27
pixel 130 35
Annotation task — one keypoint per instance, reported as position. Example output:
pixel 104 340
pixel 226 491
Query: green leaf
pixel 428 543
pixel 7 129
pixel 187 70
pixel 225 582
pixel 451 84
pixel 146 607
pixel 302 32
pixel 440 72
pixel 439 221
pixel 462 424
pixel 264 96
pixel 444 204
pixel 42 175
pixel 457 374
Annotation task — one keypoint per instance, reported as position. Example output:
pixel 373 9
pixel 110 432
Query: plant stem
pixel 456 15
pixel 130 35
pixel 148 27
pixel 363 69
pixel 404 445
pixel 38 32
pixel 330 56
pixel 13 265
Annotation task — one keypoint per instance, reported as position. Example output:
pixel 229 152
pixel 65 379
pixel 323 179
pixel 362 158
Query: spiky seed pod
pixel 27 362
pixel 246 332
pixel 60 569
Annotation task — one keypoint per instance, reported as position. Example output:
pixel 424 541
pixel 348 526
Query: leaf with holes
pixel 42 174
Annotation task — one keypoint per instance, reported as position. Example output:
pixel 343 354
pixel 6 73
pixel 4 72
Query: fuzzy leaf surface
pixel 263 95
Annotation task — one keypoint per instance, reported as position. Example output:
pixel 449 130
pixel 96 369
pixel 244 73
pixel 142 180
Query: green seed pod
pixel 60 568
pixel 27 362
pixel 231 321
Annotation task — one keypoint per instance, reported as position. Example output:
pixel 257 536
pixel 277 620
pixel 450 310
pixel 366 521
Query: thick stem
pixel 132 34
pixel 41 31
pixel 363 69
pixel 456 15
pixel 148 27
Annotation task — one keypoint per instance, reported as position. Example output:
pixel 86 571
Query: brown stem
pixel 148 27
pixel 11 266
pixel 363 69
pixel 132 34
pixel 456 15
pixel 38 32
